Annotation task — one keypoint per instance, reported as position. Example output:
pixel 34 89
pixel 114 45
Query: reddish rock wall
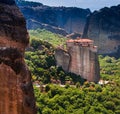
pixel 16 90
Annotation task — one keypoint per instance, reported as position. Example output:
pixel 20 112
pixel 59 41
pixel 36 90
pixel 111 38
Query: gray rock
pixel 104 28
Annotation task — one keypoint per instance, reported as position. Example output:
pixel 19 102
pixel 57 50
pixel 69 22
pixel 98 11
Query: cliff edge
pixel 103 27
pixel 70 19
pixel 16 90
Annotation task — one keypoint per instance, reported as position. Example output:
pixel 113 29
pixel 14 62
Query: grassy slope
pixel 50 37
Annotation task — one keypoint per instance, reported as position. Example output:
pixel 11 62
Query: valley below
pixel 49 63
pixel 60 92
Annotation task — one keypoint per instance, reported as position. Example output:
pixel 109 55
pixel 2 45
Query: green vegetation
pixel 88 99
pixel 110 68
pixel 47 36
pixel 41 61
pixel 76 96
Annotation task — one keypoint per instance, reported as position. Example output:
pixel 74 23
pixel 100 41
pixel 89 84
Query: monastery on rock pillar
pixel 80 57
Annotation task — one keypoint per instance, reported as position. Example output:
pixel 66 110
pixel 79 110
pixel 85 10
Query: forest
pixel 60 92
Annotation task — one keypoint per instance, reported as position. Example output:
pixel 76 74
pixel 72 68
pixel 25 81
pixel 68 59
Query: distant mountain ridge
pixel 9 2
pixel 71 19
pixel 33 24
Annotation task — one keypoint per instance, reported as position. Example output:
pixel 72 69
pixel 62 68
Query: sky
pixel 92 4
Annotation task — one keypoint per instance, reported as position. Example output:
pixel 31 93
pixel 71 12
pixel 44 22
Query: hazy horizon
pixel 91 4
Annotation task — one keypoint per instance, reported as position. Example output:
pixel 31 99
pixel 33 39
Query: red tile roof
pixel 81 40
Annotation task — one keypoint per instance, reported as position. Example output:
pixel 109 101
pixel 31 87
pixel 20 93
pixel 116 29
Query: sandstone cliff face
pixel 16 90
pixel 71 19
pixel 104 28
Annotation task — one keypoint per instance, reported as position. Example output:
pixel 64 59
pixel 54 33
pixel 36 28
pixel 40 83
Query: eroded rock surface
pixel 70 19
pixel 104 28
pixel 16 90
pixel 62 58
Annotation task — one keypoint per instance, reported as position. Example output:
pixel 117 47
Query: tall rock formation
pixel 62 58
pixel 16 90
pixel 70 19
pixel 104 28
pixel 80 58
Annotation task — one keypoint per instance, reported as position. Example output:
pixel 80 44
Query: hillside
pixel 101 26
pixel 44 35
pixel 58 92
pixel 41 60
pixel 54 90
pixel 71 19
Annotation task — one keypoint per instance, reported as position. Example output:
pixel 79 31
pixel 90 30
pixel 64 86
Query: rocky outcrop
pixel 74 35
pixel 62 58
pixel 70 19
pixel 16 90
pixel 80 58
pixel 104 28
pixel 32 24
